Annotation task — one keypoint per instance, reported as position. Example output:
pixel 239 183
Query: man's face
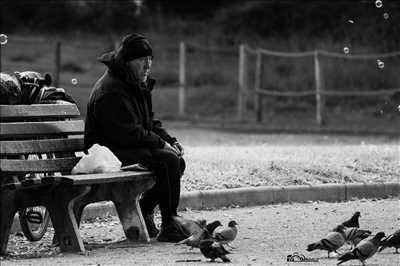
pixel 140 67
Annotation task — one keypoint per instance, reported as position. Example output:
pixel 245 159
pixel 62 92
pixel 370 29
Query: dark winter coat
pixel 120 117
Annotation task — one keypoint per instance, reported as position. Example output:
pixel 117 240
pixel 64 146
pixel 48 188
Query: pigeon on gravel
pixel 353 221
pixel 354 235
pixel 204 233
pixel 201 222
pixel 213 250
pixel 190 226
pixel 211 226
pixel 193 241
pixel 332 241
pixel 225 235
pixel 391 241
pixel 364 250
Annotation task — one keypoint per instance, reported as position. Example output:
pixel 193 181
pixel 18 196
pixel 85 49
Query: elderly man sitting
pixel 120 117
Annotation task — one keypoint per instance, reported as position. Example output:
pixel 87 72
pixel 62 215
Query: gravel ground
pixel 267 234
pixel 220 159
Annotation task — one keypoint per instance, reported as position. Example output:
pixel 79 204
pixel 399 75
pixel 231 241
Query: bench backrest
pixel 52 132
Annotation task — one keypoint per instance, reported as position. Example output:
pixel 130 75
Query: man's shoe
pixel 173 232
pixel 151 227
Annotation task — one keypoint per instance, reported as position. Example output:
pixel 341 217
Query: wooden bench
pixel 56 129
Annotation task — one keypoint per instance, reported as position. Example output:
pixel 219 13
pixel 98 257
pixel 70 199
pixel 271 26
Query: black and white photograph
pixel 200 132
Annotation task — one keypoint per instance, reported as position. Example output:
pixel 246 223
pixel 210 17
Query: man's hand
pixel 168 147
pixel 179 147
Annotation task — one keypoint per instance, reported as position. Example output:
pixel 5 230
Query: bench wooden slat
pixel 11 186
pixel 38 166
pixel 39 110
pixel 41 146
pixel 89 179
pixel 21 129
pixel 31 182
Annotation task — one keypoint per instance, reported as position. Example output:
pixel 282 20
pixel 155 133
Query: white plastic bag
pixel 98 160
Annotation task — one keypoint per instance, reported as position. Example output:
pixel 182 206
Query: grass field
pixel 225 159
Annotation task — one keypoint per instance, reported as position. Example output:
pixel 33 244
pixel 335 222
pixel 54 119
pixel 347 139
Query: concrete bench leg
pixel 61 208
pixel 126 201
pixel 78 210
pixel 7 213
pixel 132 220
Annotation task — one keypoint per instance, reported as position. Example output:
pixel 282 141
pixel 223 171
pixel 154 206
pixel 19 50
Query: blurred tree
pixel 52 15
pixel 228 18
pixel 317 19
pixel 188 9
pixel 17 14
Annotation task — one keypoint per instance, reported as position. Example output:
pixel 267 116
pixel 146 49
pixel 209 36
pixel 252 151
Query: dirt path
pixel 267 234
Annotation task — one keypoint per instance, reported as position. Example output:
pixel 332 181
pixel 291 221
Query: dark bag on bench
pixel 30 87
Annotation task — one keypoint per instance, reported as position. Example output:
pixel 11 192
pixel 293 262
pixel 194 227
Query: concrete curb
pixel 251 196
pixel 271 195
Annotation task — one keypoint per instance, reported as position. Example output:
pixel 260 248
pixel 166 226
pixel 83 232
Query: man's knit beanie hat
pixel 134 46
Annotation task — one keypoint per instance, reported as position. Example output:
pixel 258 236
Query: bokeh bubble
pixel 386 15
pixel 378 3
pixel 346 50
pixel 380 64
pixel 74 81
pixel 3 39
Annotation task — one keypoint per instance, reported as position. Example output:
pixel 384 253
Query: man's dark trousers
pixel 168 168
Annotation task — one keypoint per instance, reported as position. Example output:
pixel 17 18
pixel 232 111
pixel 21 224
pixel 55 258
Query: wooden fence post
pixel 57 61
pixel 257 87
pixel 3 41
pixel 318 90
pixel 242 82
pixel 1 58
pixel 182 77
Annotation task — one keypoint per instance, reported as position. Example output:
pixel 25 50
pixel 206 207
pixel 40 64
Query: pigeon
pixel 225 235
pixel 190 226
pixel 205 233
pixel 391 241
pixel 201 222
pixel 353 221
pixel 332 241
pixel 339 229
pixel 211 226
pixel 193 241
pixel 364 250
pixel 213 250
pixel 354 235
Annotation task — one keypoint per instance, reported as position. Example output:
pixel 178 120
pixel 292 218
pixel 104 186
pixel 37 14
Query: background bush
pixel 219 26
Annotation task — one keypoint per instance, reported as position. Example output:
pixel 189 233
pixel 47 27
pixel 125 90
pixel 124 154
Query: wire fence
pixel 328 77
